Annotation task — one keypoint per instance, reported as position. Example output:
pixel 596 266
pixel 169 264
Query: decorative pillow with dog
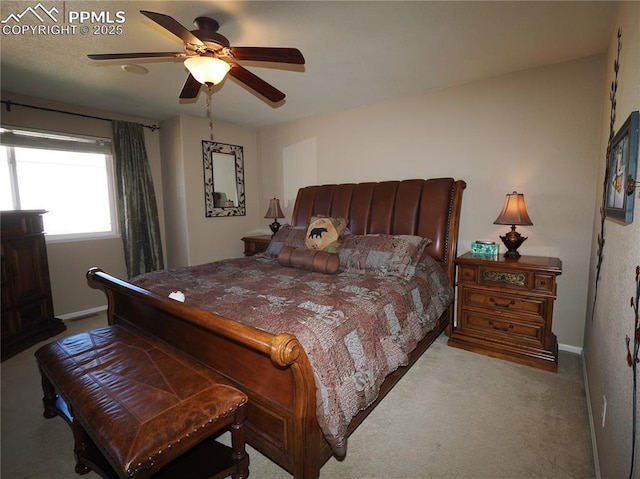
pixel 323 233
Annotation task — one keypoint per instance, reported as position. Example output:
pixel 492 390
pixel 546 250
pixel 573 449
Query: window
pixel 71 177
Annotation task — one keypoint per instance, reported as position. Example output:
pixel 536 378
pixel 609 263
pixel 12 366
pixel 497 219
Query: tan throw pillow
pixel 323 233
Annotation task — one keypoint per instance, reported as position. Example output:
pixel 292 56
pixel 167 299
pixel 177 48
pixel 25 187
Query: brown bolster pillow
pixel 309 259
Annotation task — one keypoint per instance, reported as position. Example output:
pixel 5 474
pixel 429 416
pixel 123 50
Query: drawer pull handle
pixel 500 328
pixel 502 305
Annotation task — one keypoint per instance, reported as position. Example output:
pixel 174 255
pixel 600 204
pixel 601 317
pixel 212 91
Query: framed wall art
pixel 622 166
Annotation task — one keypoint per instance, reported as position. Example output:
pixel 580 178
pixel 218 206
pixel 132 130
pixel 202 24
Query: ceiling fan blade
pixel 256 83
pixel 174 27
pixel 117 56
pixel 191 88
pixel 265 54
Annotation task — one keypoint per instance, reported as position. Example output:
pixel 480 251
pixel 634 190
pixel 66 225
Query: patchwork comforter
pixel 355 328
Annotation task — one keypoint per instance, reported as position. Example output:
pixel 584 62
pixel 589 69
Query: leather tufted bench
pixel 139 408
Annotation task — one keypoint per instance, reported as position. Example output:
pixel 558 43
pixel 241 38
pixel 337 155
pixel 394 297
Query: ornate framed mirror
pixel 223 179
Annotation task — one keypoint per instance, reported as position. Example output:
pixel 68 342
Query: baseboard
pixel 82 314
pixel 569 348
pixel 592 426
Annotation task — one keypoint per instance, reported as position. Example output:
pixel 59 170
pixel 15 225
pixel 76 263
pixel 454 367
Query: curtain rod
pixel 9 104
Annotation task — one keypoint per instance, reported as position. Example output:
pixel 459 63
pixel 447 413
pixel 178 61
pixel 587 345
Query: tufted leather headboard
pixel 428 208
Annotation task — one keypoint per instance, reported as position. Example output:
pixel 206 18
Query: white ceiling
pixel 356 52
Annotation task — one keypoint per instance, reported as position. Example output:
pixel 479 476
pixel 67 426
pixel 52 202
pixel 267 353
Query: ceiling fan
pixel 205 48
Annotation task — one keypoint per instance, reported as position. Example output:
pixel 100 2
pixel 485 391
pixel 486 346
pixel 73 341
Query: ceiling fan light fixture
pixel 207 69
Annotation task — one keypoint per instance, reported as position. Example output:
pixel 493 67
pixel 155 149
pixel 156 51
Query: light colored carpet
pixel 456 414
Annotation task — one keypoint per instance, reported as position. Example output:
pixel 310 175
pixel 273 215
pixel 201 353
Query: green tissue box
pixel 488 248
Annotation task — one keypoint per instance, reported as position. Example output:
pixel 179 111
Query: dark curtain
pixel 138 211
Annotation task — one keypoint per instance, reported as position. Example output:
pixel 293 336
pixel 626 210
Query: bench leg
pixel 239 453
pixel 81 445
pixel 55 406
pixel 49 397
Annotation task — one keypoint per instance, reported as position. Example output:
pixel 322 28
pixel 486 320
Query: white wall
pixel 605 349
pixel 193 238
pixel 174 190
pixel 536 131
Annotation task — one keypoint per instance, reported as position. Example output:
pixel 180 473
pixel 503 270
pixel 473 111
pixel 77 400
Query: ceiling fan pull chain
pixel 209 112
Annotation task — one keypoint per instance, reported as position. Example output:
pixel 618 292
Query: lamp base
pixel 512 240
pixel 275 226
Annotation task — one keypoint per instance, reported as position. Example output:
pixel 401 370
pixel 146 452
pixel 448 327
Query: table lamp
pixel 274 212
pixel 513 213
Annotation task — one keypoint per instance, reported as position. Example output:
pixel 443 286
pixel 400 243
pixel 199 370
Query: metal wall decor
pixel 223 166
pixel 603 209
pixel 633 361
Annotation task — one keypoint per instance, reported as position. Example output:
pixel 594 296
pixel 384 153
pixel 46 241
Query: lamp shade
pixel 514 211
pixel 274 210
pixel 207 69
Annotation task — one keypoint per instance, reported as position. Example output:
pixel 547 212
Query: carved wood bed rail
pixel 273 370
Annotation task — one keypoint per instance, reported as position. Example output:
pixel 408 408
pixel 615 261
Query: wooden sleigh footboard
pixel 272 370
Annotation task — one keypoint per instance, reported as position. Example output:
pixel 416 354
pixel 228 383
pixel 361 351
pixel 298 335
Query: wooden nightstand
pixel 256 244
pixel 505 308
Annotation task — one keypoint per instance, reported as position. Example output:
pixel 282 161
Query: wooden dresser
pixel 505 308
pixel 27 307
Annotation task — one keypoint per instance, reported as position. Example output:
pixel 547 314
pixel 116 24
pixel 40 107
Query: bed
pixel 292 400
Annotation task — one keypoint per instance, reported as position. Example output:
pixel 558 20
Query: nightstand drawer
pixel 509 329
pixel 467 274
pixel 503 302
pixel 544 283
pixel 494 277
